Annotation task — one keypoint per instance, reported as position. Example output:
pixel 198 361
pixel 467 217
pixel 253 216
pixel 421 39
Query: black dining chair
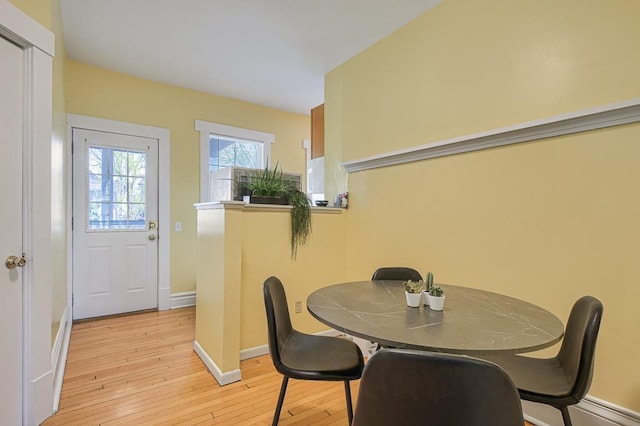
pixel 402 387
pixel 396 273
pixel 563 380
pixel 304 356
pixel 393 273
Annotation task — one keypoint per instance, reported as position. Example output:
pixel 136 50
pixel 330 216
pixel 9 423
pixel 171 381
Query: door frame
pixel 164 234
pixel 38 45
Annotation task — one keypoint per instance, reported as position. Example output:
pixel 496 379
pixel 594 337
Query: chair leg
pixel 347 391
pixel 283 389
pixel 565 416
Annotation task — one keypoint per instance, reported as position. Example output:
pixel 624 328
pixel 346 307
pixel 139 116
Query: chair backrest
pixel 278 320
pixel 396 273
pixel 578 348
pixel 413 387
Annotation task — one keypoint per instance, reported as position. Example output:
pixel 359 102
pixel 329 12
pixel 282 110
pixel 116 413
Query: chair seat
pixel 310 357
pixel 535 376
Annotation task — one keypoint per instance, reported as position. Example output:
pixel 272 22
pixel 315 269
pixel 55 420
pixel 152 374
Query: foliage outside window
pixel 228 152
pixel 117 191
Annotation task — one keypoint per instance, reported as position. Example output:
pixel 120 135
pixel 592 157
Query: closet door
pixel 13 266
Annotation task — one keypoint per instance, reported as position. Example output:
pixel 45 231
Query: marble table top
pixel 473 322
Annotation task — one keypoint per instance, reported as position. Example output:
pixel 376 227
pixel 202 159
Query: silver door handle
pixel 152 237
pixel 14 262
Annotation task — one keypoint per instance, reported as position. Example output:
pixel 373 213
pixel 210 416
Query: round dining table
pixel 473 322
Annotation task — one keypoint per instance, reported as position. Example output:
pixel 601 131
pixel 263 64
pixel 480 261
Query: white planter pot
pixel 425 298
pixel 413 299
pixel 436 303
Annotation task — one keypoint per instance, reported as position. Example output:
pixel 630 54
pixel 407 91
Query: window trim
pixel 206 128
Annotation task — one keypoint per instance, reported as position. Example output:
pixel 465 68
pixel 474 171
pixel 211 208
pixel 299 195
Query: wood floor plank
pixel 141 370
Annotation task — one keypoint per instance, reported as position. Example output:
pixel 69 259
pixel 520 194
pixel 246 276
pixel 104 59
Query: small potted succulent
pixel 428 287
pixel 436 298
pixel 412 290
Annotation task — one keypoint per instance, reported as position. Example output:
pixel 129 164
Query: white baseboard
pixel 182 300
pixel 221 378
pixel 615 413
pixel 590 411
pixel 254 352
pixel 59 355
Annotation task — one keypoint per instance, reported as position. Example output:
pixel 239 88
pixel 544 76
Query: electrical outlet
pixel 298 306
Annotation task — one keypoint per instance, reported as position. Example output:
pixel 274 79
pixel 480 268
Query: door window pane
pixel 136 190
pixel 116 189
pixel 137 164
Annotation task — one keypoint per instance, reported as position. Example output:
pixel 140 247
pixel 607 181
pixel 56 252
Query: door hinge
pixel 72 224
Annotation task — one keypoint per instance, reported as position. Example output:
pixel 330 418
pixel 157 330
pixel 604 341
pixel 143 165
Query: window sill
pixel 239 205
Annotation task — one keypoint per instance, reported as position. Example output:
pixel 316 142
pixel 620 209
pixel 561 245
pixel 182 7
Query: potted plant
pixel 413 293
pixel 429 285
pixel 269 186
pixel 436 298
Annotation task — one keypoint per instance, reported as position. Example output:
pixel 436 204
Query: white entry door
pixel 115 212
pixel 11 85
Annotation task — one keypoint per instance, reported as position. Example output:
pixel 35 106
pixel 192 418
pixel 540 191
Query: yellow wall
pixel 218 292
pixel 101 93
pixel 40 10
pixel 546 221
pixel 266 252
pixel 237 250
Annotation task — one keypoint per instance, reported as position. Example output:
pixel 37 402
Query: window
pixel 228 152
pixel 116 189
pixel 223 146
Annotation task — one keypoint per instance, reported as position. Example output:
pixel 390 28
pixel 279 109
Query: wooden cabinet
pixel 317 131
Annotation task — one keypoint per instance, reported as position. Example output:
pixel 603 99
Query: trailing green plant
pixel 413 286
pixel 300 219
pixel 273 183
pixel 436 291
pixel 269 183
pixel 429 281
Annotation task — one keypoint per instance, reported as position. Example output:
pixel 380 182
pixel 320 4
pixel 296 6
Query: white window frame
pixel 206 129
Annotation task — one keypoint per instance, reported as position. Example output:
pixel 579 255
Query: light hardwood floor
pixel 141 369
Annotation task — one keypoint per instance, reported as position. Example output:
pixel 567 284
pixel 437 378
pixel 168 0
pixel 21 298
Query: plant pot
pixel 436 303
pixel 269 200
pixel 425 298
pixel 413 299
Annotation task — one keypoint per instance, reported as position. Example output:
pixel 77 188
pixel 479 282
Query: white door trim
pixel 38 45
pixel 163 136
pixel 23 30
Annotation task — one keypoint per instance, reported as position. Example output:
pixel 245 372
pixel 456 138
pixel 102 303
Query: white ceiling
pixel 269 52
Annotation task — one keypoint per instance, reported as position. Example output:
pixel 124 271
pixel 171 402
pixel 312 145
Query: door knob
pixel 13 262
pixel 152 237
